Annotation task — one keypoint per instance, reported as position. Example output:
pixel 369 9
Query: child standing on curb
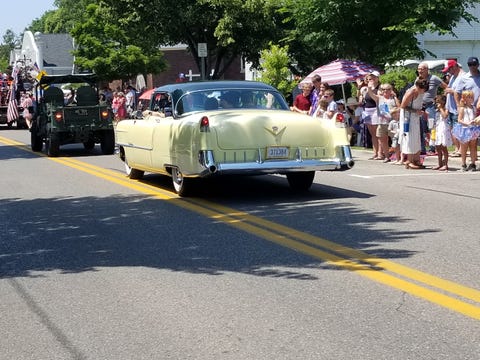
pixel 394 133
pixel 443 137
pixel 466 130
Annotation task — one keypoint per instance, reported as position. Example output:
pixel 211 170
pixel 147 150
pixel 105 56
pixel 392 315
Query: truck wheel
pixel 89 145
pixel 22 123
pixel 108 142
pixel 35 140
pixel 53 145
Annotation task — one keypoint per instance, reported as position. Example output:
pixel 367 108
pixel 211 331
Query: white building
pixel 49 52
pixel 465 44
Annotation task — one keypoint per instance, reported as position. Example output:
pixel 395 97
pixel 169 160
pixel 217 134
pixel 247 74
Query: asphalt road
pixel 378 262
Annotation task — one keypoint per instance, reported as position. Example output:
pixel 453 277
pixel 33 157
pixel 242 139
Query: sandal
pixel 444 168
pixel 436 167
pixel 413 166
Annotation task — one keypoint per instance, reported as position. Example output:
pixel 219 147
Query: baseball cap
pixel 450 63
pixel 472 61
pixel 376 73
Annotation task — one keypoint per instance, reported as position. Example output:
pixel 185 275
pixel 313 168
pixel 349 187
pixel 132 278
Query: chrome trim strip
pixel 344 161
pixel 272 167
pixel 130 145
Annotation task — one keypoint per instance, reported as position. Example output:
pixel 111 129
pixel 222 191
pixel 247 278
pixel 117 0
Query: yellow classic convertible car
pixel 205 129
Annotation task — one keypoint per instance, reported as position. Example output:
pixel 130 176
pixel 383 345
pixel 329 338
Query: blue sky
pixel 17 15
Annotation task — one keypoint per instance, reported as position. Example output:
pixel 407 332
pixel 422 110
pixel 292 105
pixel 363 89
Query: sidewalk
pixel 429 161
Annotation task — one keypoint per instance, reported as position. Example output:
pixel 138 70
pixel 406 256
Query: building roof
pixel 57 49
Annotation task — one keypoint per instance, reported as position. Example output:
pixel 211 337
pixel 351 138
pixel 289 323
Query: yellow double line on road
pixel 451 295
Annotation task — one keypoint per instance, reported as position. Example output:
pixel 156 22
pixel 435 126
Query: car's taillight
pixel 340 118
pixel 204 124
pixel 58 116
pixel 104 114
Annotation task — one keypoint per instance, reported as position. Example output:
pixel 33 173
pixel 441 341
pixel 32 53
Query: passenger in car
pixel 193 102
pixel 70 98
pixel 229 100
pixel 211 103
pixel 247 101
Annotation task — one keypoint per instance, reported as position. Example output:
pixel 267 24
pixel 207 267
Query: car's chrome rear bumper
pixel 342 161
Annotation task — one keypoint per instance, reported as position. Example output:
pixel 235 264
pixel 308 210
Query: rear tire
pixel 53 145
pixel 183 186
pixel 35 140
pixel 89 145
pixel 108 142
pixel 300 181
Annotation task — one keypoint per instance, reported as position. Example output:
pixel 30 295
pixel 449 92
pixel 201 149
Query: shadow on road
pixel 84 234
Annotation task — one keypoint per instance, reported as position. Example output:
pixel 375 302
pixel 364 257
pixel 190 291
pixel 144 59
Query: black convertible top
pixel 213 85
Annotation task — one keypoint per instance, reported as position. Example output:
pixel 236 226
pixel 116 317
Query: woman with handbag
pixel 410 113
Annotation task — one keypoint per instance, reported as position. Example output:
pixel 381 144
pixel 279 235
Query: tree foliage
pixel 10 40
pixel 120 36
pixel 319 31
pixel 105 47
pixel 230 28
pixel 275 64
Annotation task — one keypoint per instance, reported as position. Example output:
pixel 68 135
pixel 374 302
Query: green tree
pixel 63 19
pixel 319 31
pixel 10 40
pixel 275 70
pixel 230 28
pixel 42 24
pixel 106 48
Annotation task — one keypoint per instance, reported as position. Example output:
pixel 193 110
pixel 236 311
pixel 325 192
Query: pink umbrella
pixel 341 71
pixel 146 95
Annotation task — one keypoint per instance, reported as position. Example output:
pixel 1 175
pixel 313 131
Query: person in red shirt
pixel 302 102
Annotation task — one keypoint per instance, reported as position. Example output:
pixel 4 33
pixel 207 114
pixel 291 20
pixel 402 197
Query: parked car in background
pixel 205 129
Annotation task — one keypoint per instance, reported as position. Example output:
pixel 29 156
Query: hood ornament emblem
pixel 276 133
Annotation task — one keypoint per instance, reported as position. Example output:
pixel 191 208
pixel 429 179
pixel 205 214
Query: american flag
pixel 12 110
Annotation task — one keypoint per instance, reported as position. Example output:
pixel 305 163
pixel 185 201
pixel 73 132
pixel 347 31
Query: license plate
pixel 277 152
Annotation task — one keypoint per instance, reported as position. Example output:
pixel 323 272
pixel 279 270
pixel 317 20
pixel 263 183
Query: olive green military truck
pixel 84 120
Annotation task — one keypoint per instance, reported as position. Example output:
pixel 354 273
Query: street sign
pixel 202 50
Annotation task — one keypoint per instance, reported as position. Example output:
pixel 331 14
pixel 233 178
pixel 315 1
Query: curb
pixel 364 154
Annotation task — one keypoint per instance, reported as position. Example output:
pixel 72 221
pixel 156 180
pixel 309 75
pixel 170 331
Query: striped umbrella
pixel 341 71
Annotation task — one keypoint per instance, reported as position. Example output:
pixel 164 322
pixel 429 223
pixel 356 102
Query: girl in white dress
pixel 410 113
pixel 443 136
pixel 467 131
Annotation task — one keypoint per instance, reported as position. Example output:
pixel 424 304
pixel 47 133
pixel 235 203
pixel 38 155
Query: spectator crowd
pixel 400 125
